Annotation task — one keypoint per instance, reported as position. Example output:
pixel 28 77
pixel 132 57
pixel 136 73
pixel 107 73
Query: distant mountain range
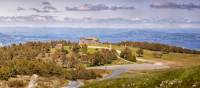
pixel 8 39
pixel 188 38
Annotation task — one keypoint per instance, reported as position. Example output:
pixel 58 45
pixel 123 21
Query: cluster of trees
pixel 140 52
pixel 59 56
pixel 128 55
pixel 21 59
pixel 76 48
pixel 79 55
pixel 158 47
pixel 12 68
pixel 103 56
pixel 29 50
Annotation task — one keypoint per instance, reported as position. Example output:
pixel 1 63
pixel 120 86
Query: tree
pixel 140 52
pixel 127 54
pixel 158 54
pixel 97 59
pixel 76 48
pixel 59 56
pixel 165 50
pixel 72 60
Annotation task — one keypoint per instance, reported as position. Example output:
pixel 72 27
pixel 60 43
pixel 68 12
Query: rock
pixel 33 81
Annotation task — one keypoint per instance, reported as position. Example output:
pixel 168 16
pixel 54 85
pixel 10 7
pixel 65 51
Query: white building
pixel 89 40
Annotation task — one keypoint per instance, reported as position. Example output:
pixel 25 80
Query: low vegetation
pixel 38 58
pixel 178 78
pixel 128 55
pixel 158 47
pixel 68 60
pixel 29 67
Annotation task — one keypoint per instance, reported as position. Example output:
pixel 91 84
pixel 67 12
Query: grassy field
pixel 172 78
pixel 180 59
pixel 188 76
pixel 176 78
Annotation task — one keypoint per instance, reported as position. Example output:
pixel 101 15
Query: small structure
pixel 59 46
pixel 89 40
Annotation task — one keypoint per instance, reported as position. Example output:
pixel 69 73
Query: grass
pixel 67 48
pixel 51 82
pixel 91 50
pixel 179 58
pixel 185 60
pixel 43 82
pixel 176 78
pixel 186 77
pixel 107 45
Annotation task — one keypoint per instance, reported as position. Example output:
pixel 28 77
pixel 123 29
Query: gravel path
pixel 74 84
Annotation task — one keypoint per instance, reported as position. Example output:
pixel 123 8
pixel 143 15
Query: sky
pixel 101 13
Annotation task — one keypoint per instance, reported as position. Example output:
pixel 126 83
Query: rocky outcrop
pixel 33 81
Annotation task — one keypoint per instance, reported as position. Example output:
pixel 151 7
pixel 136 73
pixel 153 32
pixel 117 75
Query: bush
pixel 140 52
pixel 30 67
pixel 5 73
pixel 84 74
pixel 158 54
pixel 127 54
pixel 76 48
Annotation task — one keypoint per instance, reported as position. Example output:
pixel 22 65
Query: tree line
pixel 158 47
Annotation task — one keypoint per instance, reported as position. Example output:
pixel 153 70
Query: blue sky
pixel 101 13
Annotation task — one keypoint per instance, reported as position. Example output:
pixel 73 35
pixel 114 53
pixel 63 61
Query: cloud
pixel 50 9
pixel 36 10
pixel 20 9
pixel 31 18
pixel 55 19
pixel 46 8
pixel 98 7
pixel 172 5
pixel 46 3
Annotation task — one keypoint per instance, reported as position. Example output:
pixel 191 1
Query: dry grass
pixel 179 59
pixel 43 82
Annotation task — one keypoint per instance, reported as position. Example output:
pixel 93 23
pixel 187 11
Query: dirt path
pixel 74 84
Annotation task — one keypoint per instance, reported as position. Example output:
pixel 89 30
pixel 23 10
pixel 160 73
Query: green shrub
pixel 140 52
pixel 5 73
pixel 127 54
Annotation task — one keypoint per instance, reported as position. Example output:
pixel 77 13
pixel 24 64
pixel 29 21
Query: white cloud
pixel 98 7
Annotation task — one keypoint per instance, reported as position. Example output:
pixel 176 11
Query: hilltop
pixel 67 62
